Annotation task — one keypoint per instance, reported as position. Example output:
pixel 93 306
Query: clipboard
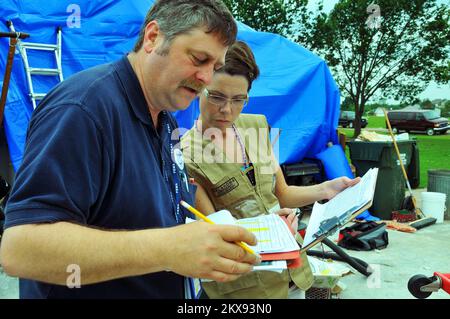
pixel 330 226
pixel 325 223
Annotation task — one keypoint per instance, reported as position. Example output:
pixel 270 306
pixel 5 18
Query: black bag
pixel 364 236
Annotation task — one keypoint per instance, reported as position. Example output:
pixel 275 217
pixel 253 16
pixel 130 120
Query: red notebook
pixel 292 257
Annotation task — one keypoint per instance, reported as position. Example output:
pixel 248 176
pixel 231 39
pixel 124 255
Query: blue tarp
pixel 295 91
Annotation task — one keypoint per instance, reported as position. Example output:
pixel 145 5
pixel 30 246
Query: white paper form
pixel 355 197
pixel 272 233
pixel 271 265
pixel 350 199
pixel 277 237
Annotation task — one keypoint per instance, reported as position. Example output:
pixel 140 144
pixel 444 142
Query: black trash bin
pixel 390 187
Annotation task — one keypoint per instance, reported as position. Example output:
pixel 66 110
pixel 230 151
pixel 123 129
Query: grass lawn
pixel 434 151
pixel 376 121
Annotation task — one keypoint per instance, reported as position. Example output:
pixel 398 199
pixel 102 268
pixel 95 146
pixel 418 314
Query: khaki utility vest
pixel 229 188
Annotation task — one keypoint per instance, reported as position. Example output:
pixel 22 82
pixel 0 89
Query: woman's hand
pixel 337 185
pixel 291 217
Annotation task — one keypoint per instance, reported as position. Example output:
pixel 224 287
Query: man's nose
pixel 205 74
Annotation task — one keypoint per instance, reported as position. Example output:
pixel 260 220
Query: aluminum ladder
pixel 29 71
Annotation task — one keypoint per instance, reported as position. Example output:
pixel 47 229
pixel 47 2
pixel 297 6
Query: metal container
pixel 439 181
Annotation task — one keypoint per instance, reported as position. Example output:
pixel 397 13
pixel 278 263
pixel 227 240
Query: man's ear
pixel 152 36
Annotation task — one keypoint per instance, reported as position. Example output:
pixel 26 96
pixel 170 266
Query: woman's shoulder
pixel 251 120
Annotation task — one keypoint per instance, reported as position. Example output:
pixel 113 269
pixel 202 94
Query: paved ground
pixel 407 254
pixel 423 252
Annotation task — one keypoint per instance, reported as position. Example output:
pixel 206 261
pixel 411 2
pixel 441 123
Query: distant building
pixel 378 112
pixel 439 103
pixel 412 107
pixel 415 107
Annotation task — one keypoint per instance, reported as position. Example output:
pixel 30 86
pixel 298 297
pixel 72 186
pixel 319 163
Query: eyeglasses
pixel 222 101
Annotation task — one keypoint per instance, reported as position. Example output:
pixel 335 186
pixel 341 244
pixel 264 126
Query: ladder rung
pixel 38 96
pixel 39 46
pixel 42 71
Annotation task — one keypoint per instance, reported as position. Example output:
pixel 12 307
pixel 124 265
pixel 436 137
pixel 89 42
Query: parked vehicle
pixel 347 118
pixel 418 120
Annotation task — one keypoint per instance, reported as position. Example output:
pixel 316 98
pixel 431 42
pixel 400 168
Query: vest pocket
pixel 233 193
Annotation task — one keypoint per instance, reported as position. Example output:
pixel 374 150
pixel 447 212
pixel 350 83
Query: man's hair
pixel 177 17
pixel 240 60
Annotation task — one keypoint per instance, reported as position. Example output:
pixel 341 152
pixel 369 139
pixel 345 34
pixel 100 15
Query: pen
pixel 206 219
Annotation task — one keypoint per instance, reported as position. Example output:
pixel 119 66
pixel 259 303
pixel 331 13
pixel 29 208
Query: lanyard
pixel 244 155
pixel 248 167
pixel 175 195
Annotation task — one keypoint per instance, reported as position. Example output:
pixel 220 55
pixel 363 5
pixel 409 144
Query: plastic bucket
pixel 433 205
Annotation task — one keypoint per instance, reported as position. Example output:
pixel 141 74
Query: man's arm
pixel 43 252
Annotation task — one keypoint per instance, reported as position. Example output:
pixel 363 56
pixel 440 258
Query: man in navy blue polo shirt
pixel 94 211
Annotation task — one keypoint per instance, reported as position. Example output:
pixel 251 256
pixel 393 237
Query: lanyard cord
pixel 175 195
pixel 246 162
pixel 244 155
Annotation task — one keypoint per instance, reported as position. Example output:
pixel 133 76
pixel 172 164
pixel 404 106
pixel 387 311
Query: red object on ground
pixel 445 281
pixel 403 216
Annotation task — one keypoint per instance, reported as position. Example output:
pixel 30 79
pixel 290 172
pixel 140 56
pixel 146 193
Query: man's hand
pixel 291 217
pixel 337 185
pixel 202 250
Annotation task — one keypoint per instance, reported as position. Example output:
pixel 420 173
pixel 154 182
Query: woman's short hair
pixel 240 60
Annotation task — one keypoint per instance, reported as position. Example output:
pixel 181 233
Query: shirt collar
pixel 133 90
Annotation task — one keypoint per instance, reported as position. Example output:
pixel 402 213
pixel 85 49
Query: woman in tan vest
pixel 230 157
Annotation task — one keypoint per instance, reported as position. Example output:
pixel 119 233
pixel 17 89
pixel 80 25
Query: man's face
pixel 173 79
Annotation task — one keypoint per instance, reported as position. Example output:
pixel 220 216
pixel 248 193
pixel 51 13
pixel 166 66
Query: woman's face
pixel 224 100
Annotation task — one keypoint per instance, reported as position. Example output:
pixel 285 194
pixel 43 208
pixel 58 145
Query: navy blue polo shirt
pixel 94 157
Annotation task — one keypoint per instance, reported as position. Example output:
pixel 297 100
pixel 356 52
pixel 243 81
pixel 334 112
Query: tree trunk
pixel 357 126
pixel 359 111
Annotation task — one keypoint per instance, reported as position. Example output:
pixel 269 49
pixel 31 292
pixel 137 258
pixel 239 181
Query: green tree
pixel 390 50
pixel 347 104
pixel 446 109
pixel 427 104
pixel 274 16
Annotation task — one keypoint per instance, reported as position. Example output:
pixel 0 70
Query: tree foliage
pixel 427 104
pixel 393 52
pixel 446 110
pixel 394 55
pixel 347 104
pixel 274 16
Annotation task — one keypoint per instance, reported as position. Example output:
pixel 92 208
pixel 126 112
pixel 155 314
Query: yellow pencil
pixel 206 219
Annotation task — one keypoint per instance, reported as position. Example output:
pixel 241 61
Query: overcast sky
pixel 433 91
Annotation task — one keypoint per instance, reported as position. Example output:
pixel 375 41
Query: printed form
pixel 349 200
pixel 272 233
